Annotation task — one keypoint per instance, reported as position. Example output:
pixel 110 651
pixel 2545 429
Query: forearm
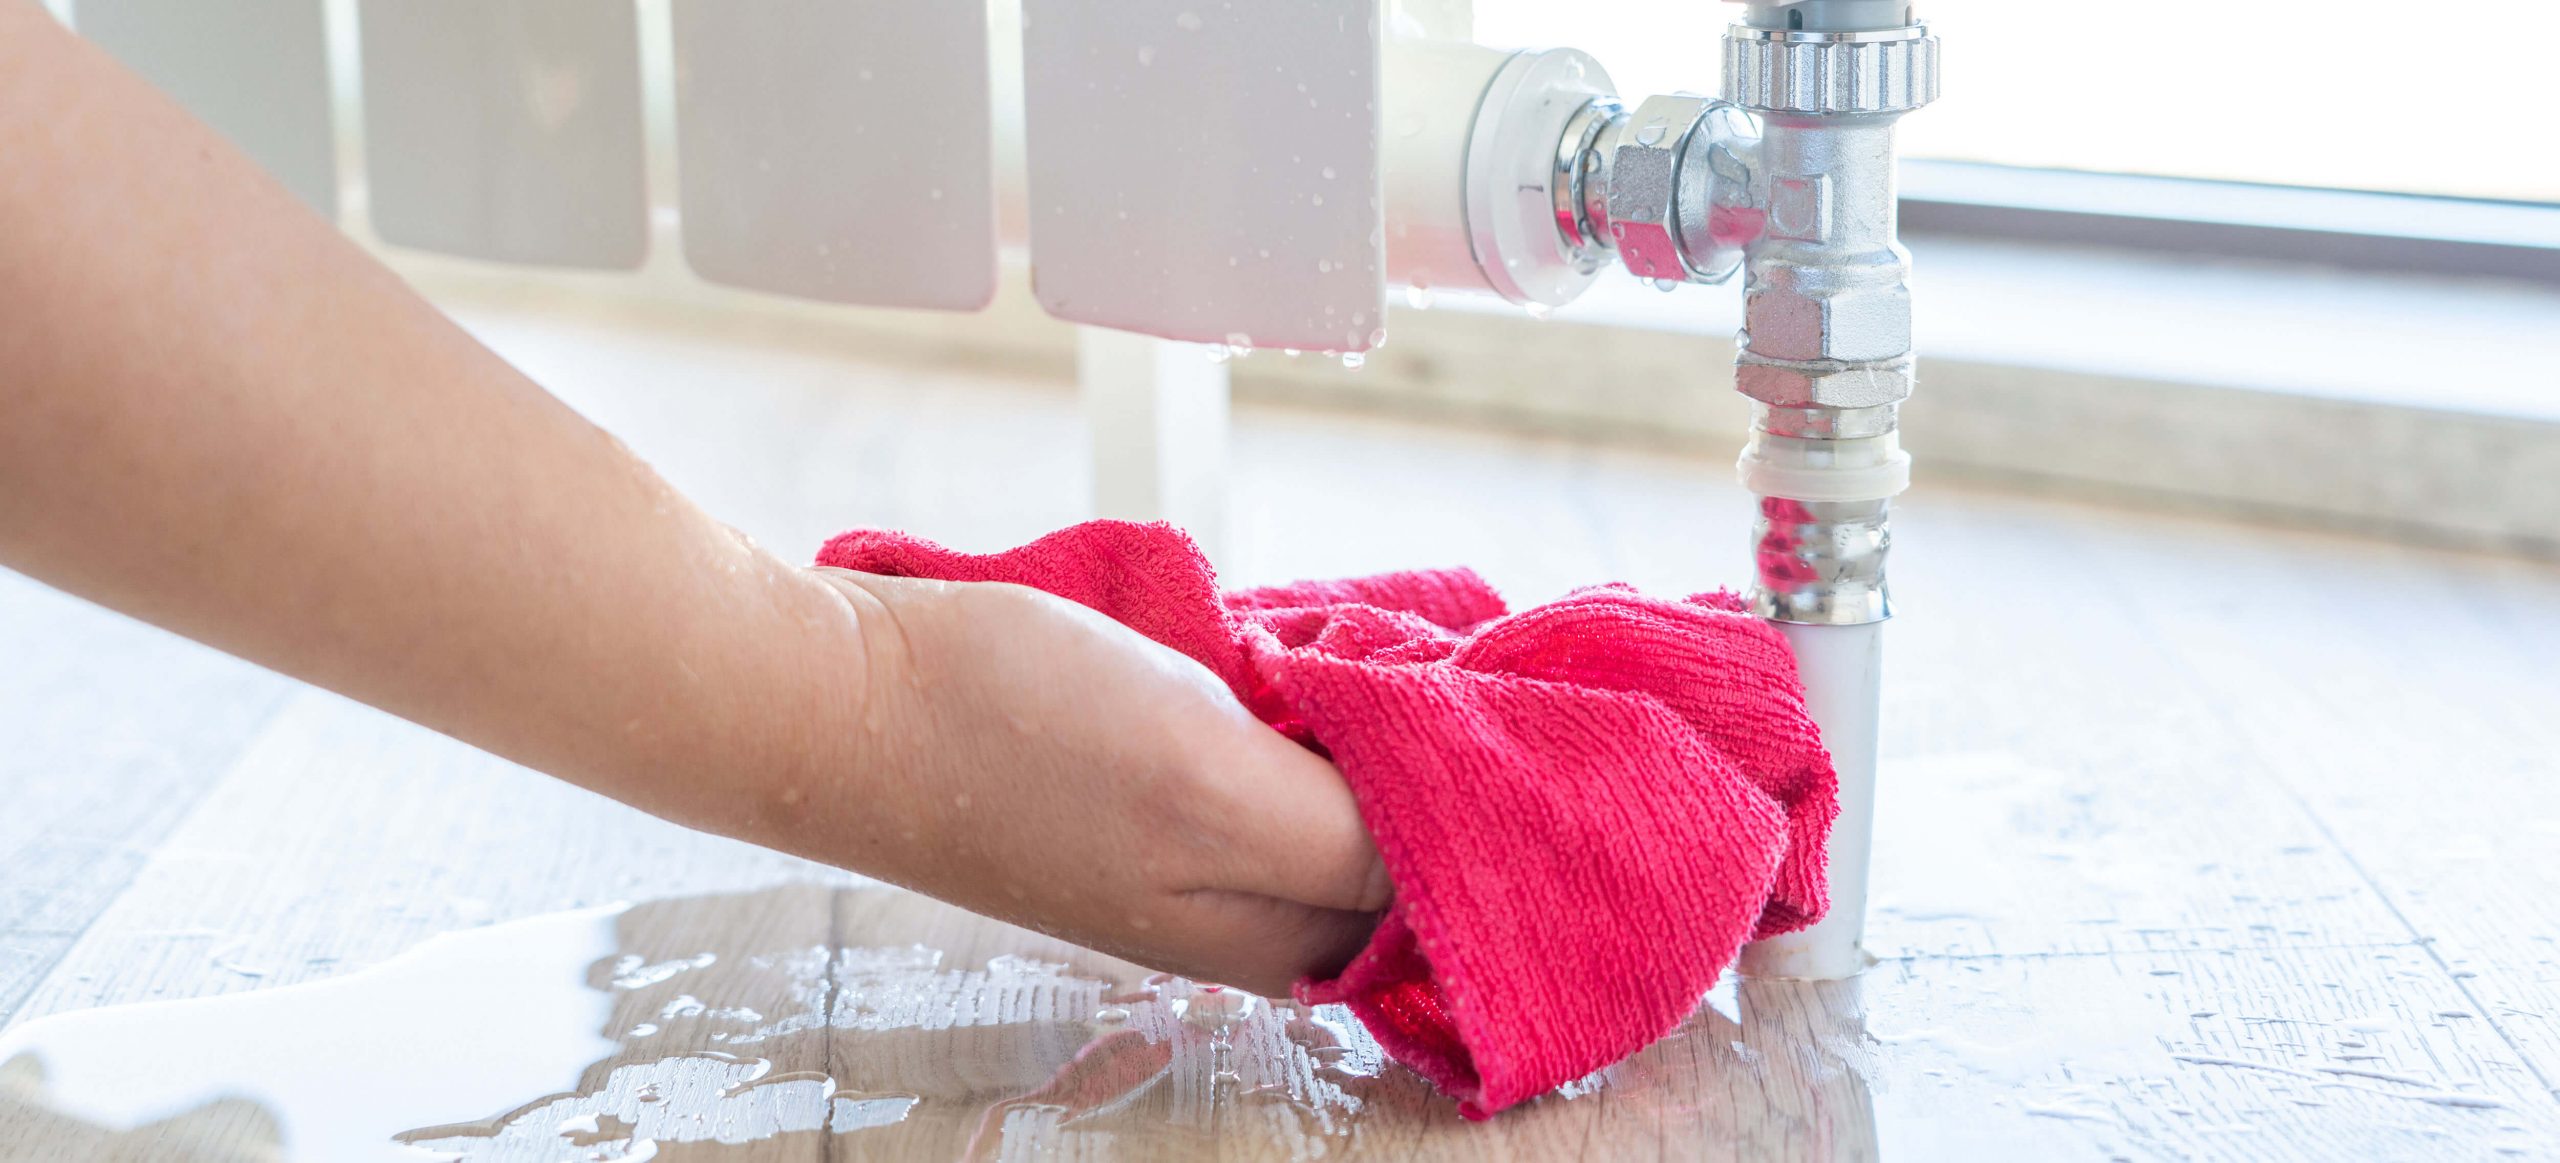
pixel 219 416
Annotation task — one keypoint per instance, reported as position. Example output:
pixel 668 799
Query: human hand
pixel 456 547
pixel 1028 758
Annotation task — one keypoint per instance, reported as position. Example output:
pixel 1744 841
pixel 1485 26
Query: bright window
pixel 2354 94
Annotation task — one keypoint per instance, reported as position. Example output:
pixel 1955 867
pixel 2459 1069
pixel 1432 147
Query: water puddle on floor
pixel 810 1022
pixel 718 1028
pixel 821 1022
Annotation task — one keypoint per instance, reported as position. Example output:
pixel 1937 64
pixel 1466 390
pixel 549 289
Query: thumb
pixel 1308 843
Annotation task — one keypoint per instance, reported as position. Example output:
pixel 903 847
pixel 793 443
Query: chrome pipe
pixel 1826 357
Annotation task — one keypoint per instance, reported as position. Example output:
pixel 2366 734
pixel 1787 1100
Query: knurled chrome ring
pixel 1777 70
pixel 1577 161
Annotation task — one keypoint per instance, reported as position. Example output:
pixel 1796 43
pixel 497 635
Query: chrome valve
pixel 1891 70
pixel 1667 187
pixel 1786 177
pixel 1826 350
pixel 1789 178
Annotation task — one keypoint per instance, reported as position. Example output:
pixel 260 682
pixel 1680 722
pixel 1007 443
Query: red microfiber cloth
pixel 1586 807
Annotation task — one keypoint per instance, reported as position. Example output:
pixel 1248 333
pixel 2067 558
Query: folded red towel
pixel 1586 808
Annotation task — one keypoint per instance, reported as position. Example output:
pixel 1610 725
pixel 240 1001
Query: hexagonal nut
pixel 1644 173
pixel 1783 323
pixel 1782 385
pixel 1849 323
pixel 1867 323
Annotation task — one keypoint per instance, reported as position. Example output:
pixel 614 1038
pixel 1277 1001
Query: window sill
pixel 2420 408
pixel 2417 408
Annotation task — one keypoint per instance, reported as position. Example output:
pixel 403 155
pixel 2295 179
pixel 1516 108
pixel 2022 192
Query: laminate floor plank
pixel 110 731
pixel 2421 727
pixel 2195 841
pixel 344 836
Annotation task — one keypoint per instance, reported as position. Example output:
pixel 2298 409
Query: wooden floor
pixel 2197 841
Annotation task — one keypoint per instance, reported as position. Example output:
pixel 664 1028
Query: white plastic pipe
pixel 1842 666
pixel 1429 91
pixel 1157 412
pixel 1468 146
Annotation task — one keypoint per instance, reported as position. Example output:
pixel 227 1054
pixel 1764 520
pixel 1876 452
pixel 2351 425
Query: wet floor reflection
pixel 813 1022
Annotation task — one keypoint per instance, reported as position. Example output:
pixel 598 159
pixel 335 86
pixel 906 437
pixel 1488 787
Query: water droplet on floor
pixel 229 966
pixel 632 972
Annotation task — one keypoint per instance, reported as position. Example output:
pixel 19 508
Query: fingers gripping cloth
pixel 1586 807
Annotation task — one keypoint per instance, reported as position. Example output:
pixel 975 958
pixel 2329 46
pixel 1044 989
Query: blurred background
pixel 2341 94
pixel 2217 713
pixel 2292 260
